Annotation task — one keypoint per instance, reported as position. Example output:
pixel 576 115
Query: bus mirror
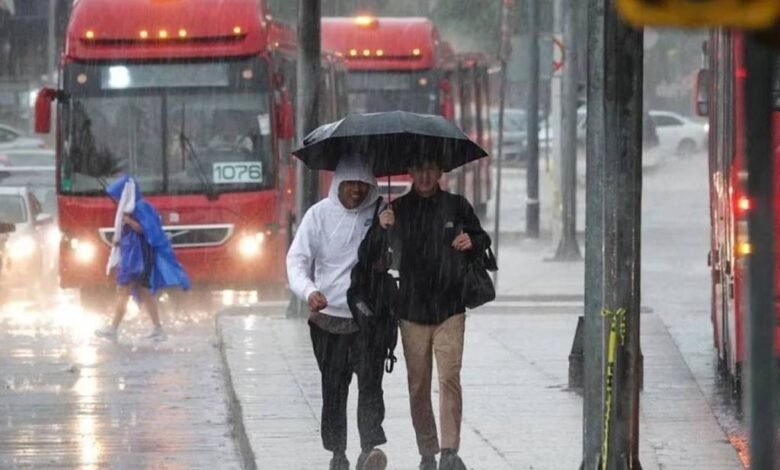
pixel 43 110
pixel 285 127
pixel 702 92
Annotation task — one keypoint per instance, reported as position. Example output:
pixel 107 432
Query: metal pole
pixel 497 220
pixel 504 50
pixel 309 71
pixel 593 330
pixel 308 102
pixel 613 230
pixel 624 48
pixel 532 119
pixel 761 402
pixel 51 52
pixel 568 248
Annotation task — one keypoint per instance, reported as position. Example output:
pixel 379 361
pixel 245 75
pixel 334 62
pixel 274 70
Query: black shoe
pixel 450 460
pixel 428 462
pixel 339 462
pixel 372 459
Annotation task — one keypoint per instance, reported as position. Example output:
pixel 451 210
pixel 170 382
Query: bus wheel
pixel 96 299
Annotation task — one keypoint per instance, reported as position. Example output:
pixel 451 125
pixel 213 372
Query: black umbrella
pixel 389 142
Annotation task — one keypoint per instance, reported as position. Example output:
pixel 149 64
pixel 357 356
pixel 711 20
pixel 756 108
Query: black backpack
pixel 372 299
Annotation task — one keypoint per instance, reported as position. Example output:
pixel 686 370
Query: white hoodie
pixel 328 239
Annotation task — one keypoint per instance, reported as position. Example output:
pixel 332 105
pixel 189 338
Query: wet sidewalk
pixel 518 412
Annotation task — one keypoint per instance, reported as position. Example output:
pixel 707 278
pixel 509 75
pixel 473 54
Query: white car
pixel 679 134
pixel 11 138
pixel 31 249
pixel 27 157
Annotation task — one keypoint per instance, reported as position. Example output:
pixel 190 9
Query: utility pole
pixel 613 230
pixel 532 119
pixel 504 50
pixel 761 399
pixel 309 71
pixel 51 40
pixel 568 247
pixel 308 102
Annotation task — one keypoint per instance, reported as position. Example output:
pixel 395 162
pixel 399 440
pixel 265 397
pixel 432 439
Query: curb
pixel 246 454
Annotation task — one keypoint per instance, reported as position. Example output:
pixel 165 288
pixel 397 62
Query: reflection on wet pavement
pixel 70 400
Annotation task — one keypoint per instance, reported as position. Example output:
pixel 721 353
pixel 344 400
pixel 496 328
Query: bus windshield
pixel 371 92
pixel 174 134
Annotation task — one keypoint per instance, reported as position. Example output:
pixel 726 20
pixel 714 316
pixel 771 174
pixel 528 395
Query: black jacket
pixel 430 269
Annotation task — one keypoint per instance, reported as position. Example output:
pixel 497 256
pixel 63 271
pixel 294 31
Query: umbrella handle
pixel 389 192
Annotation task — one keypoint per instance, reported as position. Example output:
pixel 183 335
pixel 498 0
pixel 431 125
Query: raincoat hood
pixel 328 239
pixel 114 190
pixel 353 168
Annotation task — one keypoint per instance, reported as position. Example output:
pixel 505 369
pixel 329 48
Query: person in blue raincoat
pixel 142 256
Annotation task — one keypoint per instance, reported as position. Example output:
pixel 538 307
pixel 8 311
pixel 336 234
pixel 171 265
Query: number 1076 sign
pixel 237 172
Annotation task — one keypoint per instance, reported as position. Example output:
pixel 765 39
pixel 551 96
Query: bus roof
pixel 383 43
pixel 149 29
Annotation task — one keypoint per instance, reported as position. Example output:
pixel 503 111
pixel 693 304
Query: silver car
pixel 514 142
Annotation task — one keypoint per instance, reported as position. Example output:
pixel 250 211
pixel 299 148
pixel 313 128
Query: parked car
pixel 11 138
pixel 514 133
pixel 27 157
pixel 32 250
pixel 679 134
pixel 515 144
pixel 650 137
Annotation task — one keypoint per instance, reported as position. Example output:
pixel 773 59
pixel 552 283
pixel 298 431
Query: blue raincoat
pixel 148 257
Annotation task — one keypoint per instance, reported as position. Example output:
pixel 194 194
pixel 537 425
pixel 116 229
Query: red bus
pixel 402 63
pixel 194 99
pixel 720 97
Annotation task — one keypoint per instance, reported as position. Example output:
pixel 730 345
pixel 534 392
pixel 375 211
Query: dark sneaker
pixel 339 462
pixel 372 459
pixel 451 461
pixel 428 462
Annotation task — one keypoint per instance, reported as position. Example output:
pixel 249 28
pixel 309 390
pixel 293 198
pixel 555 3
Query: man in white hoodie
pixel 327 241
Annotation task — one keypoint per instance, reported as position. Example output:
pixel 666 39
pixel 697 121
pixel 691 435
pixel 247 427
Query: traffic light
pixel 753 14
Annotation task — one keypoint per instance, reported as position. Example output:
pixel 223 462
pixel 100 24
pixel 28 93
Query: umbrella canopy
pixel 390 142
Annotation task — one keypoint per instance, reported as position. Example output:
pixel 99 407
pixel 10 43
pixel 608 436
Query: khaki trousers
pixel 421 343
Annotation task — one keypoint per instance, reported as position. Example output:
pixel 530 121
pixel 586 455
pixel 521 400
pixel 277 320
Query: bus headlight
pixel 249 245
pixel 84 251
pixel 21 247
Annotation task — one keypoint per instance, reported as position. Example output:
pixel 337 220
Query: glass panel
pixel 171 141
pixel 371 92
pixel 115 77
pixel 12 209
pixel 385 100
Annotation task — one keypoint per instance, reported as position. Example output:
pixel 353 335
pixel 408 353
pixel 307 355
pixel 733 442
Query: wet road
pixel 676 279
pixel 69 400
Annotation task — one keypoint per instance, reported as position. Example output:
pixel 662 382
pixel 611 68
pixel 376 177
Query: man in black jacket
pixel 434 232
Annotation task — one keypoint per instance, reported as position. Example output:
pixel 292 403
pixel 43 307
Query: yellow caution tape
pixel 617 335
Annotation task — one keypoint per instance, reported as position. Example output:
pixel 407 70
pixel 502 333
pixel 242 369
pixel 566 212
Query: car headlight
pixel 249 245
pixel 84 251
pixel 706 127
pixel 21 247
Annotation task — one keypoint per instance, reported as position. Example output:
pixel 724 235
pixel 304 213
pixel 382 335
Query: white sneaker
pixel 107 332
pixel 157 334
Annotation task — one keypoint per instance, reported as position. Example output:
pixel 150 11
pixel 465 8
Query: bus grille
pixel 186 236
